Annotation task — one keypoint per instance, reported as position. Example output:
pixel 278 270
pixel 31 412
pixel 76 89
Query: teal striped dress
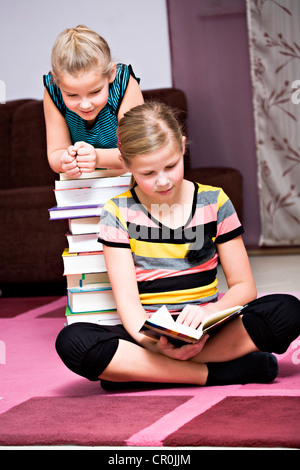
pixel 102 134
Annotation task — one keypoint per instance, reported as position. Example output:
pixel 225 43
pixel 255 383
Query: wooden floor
pixel 272 272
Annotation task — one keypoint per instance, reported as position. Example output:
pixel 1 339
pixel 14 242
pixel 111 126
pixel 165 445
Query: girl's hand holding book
pixel 182 353
pixel 193 315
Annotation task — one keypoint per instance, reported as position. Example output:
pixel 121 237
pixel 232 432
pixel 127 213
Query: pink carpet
pixel 43 403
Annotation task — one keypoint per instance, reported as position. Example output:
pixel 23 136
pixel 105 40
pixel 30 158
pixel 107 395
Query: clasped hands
pixel 79 158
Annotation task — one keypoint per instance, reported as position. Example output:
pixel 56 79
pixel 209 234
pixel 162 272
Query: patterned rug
pixel 42 403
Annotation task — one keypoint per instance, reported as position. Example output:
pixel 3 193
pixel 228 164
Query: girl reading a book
pixel 85 95
pixel 162 242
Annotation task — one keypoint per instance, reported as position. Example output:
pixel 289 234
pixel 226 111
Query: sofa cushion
pixel 29 163
pixel 229 179
pixel 31 244
pixel 7 111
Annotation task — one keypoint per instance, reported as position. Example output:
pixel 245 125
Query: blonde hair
pixel 147 128
pixel 80 49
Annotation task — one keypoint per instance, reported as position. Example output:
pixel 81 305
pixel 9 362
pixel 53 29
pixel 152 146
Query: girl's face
pixel 159 174
pixel 85 94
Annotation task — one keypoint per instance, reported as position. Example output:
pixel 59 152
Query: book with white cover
pixel 87 196
pixel 83 243
pixel 57 213
pixel 77 263
pixel 99 318
pixel 123 180
pixel 81 225
pixel 91 298
pixel 97 173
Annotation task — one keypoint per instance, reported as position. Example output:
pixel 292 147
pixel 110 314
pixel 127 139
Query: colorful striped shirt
pixel 174 267
pixel 102 133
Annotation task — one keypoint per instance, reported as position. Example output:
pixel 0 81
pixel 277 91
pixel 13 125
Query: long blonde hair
pixel 147 128
pixel 80 49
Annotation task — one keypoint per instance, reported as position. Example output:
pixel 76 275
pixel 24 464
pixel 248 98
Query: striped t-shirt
pixel 102 133
pixel 167 272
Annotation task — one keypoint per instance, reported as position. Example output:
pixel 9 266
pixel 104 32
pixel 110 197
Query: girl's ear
pixel 122 162
pixel 113 73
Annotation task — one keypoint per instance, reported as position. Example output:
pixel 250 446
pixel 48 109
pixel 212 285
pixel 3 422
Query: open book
pixel 161 323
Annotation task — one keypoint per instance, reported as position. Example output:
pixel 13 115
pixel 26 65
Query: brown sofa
pixel 31 244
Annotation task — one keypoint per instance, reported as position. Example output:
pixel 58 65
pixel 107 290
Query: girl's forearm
pixel 54 159
pixel 106 158
pixel 239 294
pixel 109 158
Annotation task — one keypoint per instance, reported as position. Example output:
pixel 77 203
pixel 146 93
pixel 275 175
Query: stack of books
pixel 89 293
